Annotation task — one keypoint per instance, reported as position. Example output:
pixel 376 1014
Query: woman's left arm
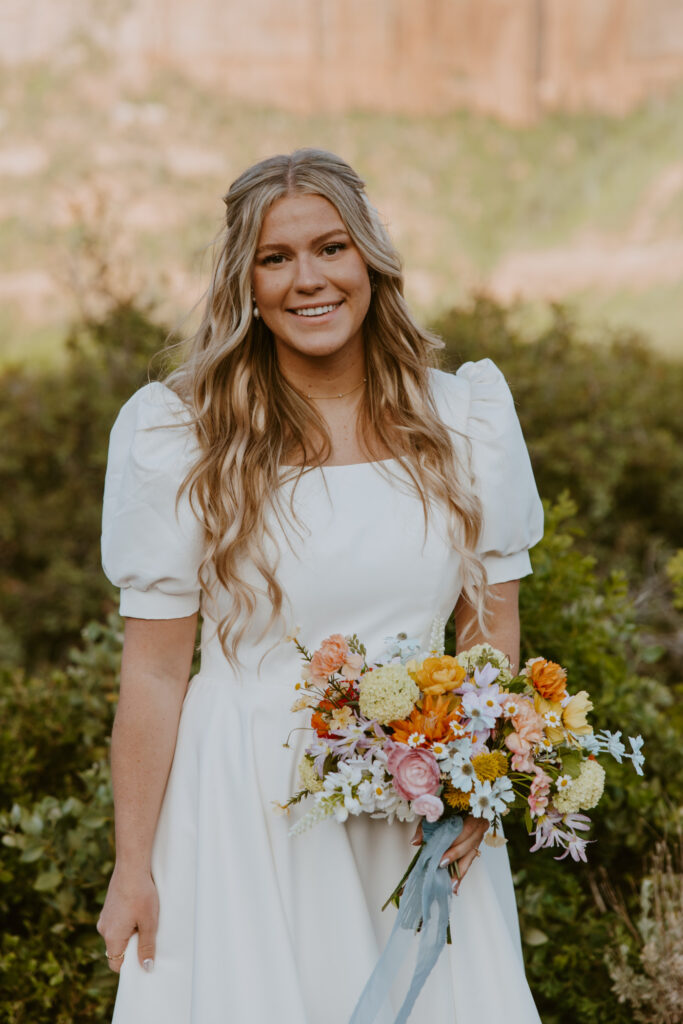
pixel 503 634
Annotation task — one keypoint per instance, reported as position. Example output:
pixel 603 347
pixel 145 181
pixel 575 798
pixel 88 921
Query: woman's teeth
pixel 316 310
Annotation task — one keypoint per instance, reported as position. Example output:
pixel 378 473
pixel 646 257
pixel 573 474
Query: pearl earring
pixel 255 310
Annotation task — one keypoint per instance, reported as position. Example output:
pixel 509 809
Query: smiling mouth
pixel 313 311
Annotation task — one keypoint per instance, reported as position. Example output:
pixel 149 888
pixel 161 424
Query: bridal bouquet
pixel 425 733
pixel 443 736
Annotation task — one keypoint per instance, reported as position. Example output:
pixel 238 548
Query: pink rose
pixel 429 806
pixel 395 753
pixel 415 772
pixel 330 657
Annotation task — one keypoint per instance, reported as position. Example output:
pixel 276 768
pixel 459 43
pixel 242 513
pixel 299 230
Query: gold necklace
pixel 342 394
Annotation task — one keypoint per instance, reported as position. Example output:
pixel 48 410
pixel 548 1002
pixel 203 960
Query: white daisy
pixel 462 773
pixel 482 801
pixel 416 739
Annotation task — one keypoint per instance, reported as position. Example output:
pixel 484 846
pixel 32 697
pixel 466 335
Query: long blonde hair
pixel 249 420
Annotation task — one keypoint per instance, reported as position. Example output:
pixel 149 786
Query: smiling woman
pixel 306 465
pixel 312 288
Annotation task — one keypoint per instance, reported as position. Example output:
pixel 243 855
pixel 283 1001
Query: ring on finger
pixel 114 956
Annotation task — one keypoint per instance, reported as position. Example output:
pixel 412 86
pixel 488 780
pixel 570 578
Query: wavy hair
pixel 250 420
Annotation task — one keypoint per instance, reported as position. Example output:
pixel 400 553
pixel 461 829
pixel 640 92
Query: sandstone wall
pixel 512 58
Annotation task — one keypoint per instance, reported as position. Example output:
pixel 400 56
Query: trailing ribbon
pixel 424 905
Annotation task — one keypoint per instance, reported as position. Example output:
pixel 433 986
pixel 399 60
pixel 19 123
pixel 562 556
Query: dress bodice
pixel 358 558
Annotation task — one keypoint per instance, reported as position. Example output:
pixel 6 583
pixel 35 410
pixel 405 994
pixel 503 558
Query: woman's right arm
pixel 155 669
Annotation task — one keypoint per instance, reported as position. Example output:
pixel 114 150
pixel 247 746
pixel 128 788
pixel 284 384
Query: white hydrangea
pixel 387 693
pixel 479 655
pixel 584 792
pixel 309 777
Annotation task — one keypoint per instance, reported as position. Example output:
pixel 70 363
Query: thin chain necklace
pixel 342 394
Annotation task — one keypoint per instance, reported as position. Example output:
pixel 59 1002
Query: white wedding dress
pixel 257 927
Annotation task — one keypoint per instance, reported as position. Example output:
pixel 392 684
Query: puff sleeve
pixel 151 549
pixel 479 405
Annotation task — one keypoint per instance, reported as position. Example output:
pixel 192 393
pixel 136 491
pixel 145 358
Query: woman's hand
pixel 465 848
pixel 132 904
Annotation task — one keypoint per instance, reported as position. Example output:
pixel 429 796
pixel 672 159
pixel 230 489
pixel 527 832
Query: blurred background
pixel 527 157
pixel 531 148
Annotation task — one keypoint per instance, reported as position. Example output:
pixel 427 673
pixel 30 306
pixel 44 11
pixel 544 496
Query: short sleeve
pixel 478 403
pixel 151 542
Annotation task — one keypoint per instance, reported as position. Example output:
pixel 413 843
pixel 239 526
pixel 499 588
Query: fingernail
pixel 443 862
pixel 414 842
pixel 455 888
pixel 148 964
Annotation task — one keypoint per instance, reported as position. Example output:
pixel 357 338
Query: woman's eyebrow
pixel 314 241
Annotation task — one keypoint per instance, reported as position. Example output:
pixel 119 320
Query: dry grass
pixel 647 972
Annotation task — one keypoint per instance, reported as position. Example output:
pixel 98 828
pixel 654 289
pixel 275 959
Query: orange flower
pixel 438 675
pixel 320 719
pixel 433 720
pixel 547 678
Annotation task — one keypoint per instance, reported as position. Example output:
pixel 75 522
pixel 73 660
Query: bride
pixel 306 466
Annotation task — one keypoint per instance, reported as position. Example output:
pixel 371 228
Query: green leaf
pixel 93 821
pixel 571 763
pixel 534 936
pixel 48 880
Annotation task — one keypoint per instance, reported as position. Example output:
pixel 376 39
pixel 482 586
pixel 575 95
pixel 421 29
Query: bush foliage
pixel 590 416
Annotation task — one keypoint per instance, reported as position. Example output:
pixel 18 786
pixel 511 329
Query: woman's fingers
pixel 147 933
pixel 467 842
pixel 417 838
pixel 464 865
pixel 115 942
pixel 131 906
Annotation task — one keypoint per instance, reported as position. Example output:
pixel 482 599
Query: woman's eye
pixel 274 257
pixel 333 248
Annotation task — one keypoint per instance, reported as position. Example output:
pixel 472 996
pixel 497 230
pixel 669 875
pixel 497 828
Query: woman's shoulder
pixel 154 428
pixel 475 398
pixel 155 405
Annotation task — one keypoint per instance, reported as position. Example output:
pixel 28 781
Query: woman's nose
pixel 308 275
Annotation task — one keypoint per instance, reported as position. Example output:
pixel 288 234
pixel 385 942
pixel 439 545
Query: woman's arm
pixel 503 633
pixel 155 668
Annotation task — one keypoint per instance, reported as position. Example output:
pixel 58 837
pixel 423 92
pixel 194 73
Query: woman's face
pixel 310 282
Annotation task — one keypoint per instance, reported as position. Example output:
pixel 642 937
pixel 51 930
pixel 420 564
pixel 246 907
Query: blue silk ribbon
pixel 425 899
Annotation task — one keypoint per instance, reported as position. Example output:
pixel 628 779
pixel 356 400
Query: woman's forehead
pixel 299 218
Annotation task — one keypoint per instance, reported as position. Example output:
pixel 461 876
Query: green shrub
pixel 57 831
pixel 55 426
pixel 602 420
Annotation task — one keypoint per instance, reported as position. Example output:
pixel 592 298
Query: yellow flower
pixel 554 733
pixel 575 711
pixel 455 798
pixel 490 766
pixel 436 676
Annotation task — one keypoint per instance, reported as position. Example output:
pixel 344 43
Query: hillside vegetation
pixel 585 208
